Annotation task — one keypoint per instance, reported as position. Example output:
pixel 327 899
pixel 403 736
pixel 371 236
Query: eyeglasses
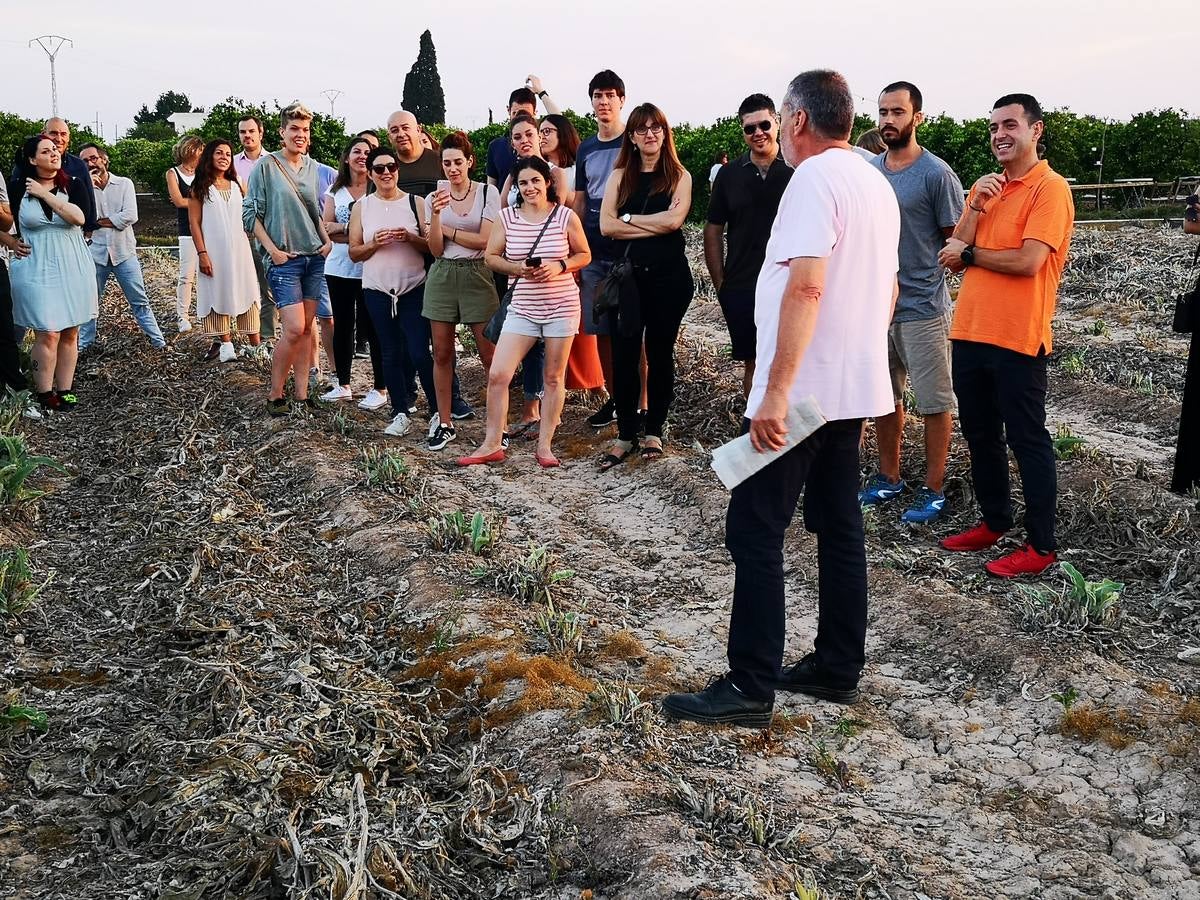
pixel 380 168
pixel 546 132
pixel 642 130
pixel 763 126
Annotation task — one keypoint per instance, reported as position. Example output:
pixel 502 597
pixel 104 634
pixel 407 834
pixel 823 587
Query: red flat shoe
pixel 547 462
pixel 497 456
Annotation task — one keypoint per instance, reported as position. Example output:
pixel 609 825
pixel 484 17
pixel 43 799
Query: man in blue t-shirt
pixel 500 155
pixel 593 164
pixel 931 202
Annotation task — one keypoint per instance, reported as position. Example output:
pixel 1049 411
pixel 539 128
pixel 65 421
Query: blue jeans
pixel 402 331
pixel 129 276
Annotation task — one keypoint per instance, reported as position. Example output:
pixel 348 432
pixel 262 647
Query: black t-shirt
pixel 660 249
pixel 746 203
pixel 421 176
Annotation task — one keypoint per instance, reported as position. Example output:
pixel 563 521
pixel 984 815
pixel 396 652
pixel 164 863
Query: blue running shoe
pixel 880 490
pixel 925 508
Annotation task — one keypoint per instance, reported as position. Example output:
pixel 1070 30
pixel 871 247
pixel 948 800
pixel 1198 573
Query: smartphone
pixel 533 262
pixel 443 185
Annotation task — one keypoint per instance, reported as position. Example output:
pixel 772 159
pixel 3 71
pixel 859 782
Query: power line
pixel 51 44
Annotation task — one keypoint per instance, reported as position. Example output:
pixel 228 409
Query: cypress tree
pixel 423 95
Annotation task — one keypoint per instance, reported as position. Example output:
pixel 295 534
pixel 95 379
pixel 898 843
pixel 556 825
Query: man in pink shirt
pixel 250 133
pixel 823 303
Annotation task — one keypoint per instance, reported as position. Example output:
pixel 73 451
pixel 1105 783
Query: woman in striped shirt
pixel 539 244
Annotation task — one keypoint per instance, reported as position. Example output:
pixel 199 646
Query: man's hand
pixel 950 256
pixel 989 186
pixel 768 428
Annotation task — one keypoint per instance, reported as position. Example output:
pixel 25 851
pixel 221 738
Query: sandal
pixel 653 448
pixel 611 459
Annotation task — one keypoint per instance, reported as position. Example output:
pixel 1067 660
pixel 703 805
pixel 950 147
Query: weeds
pixel 1074 364
pixel 15 716
pixel 13 406
pixel 454 531
pixel 1081 605
pixel 16 465
pixel 836 771
pixel 17 588
pixel 385 468
pixel 848 727
pixel 533 577
pixel 1066 444
pixel 339 422
pixel 1099 328
pixel 1067 697
pixel 622 705
pixel 563 630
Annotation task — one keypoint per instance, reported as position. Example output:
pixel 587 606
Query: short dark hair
pixel 93 146
pixel 540 166
pixel 606 80
pixel 381 150
pixel 825 96
pixel 1027 102
pixel 524 96
pixel 252 118
pixel 754 103
pixel 914 92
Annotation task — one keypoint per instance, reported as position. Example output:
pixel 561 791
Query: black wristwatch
pixel 543 94
pixel 968 255
pixel 563 263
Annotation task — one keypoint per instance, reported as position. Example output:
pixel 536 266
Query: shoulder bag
pixel 495 324
pixel 617 293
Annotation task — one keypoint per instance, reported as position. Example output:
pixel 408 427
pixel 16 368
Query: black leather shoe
pixel 719 704
pixel 806 677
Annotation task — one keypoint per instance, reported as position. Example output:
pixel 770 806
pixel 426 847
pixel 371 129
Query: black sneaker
pixel 277 408
pixel 442 435
pixel 605 415
pixel 360 351
pixel 806 677
pixel 461 409
pixel 505 440
pixel 721 703
pixel 67 401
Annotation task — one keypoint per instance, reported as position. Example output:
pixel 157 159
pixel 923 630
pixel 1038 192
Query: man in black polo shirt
pixel 745 198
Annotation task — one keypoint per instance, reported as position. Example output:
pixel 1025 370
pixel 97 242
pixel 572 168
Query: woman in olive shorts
pixel 460 288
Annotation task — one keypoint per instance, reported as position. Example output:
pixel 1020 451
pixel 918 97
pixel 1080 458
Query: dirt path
pixel 263 680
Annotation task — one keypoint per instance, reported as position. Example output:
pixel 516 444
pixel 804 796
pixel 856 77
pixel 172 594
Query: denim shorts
pixel 515 323
pixel 301 278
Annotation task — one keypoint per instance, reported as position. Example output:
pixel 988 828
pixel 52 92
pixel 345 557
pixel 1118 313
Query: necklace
pixel 464 196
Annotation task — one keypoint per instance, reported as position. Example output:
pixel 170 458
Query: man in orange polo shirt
pixel 1012 243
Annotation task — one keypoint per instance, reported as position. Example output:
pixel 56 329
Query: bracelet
pixel 454 236
pixel 563 263
pixel 202 253
pixel 977 209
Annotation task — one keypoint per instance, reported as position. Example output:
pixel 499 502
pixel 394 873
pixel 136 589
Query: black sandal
pixel 213 352
pixel 611 459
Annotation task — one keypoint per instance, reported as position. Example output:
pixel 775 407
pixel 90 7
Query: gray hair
pixel 825 96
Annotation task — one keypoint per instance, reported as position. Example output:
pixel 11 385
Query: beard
pixel 901 138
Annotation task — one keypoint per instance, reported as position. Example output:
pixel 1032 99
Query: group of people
pixel 568 263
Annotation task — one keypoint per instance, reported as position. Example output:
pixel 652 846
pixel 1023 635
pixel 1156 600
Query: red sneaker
pixel 1025 561
pixel 978 538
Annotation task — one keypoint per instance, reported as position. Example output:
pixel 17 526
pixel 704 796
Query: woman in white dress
pixel 227 289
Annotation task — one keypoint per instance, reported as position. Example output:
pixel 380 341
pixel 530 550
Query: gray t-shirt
pixel 931 198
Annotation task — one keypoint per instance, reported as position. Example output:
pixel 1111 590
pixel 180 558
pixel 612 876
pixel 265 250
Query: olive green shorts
pixel 459 290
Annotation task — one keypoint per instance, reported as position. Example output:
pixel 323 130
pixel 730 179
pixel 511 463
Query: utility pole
pixel 331 95
pixel 51 44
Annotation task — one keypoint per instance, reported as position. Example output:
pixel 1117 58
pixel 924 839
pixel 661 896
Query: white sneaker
pixel 228 353
pixel 337 392
pixel 400 425
pixel 373 400
pixel 184 326
pixel 32 412
pixel 434 423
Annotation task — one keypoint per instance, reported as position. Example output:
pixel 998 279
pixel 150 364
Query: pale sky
pixel 696 60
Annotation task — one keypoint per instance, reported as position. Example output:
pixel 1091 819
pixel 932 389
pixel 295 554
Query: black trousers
pixel 665 291
pixel 1187 451
pixel 1002 405
pixel 10 358
pixel 351 321
pixel 825 467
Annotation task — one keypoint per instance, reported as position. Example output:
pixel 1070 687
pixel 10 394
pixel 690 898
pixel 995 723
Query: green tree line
pixel 1160 144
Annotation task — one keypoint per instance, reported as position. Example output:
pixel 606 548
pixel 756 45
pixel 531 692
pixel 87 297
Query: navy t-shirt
pixel 593 165
pixel 500 159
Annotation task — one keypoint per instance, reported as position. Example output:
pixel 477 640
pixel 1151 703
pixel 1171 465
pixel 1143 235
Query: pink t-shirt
pixel 837 207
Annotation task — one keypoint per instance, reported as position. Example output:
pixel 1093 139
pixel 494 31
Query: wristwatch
pixel 543 94
pixel 627 218
pixel 563 263
pixel 968 255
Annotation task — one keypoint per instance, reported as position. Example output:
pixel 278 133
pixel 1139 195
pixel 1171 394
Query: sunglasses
pixel 763 126
pixel 380 168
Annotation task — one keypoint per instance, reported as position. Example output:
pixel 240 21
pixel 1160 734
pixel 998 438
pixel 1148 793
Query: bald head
pixel 58 131
pixel 405 135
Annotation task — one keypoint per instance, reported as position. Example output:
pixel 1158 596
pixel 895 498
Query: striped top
pixel 544 301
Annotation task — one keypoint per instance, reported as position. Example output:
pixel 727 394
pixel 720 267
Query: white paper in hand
pixel 738 460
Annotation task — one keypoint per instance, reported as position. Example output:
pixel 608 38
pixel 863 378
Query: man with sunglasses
pixel 931 203
pixel 745 198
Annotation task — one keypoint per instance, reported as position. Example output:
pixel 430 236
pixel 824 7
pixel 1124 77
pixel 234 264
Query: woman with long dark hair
pixel 645 205
pixel 539 245
pixel 227 289
pixel 54 279
pixel 344 278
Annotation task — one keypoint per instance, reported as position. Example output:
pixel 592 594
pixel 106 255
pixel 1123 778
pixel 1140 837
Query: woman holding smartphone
pixel 540 244
pixel 459 289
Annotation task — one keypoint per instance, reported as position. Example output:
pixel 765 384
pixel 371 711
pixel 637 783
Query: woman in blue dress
pixel 53 278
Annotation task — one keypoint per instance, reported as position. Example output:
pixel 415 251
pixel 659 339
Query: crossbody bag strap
pixel 629 244
pixel 537 240
pixel 412 204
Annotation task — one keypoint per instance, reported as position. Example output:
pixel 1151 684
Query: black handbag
pixel 495 324
pixel 1187 304
pixel 618 293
